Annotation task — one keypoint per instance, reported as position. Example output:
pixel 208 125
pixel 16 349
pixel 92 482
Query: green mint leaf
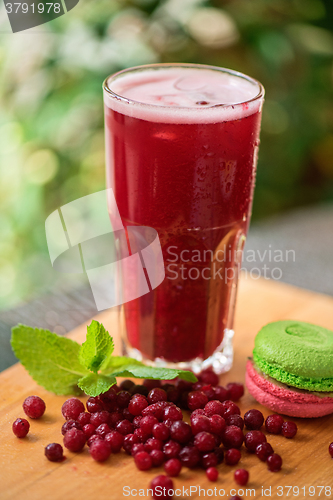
pixel 52 361
pixel 150 372
pixel 95 384
pixel 96 351
pixel 119 362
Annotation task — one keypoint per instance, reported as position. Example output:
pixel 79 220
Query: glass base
pixel 220 361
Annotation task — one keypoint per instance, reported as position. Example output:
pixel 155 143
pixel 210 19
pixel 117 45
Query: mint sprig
pixel 64 367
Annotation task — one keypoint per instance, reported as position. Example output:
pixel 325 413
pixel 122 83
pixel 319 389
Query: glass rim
pixel 238 74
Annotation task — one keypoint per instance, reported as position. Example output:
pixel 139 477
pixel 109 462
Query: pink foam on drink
pixel 184 95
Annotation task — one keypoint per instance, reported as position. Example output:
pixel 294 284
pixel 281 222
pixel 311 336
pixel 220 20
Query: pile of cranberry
pixel 147 422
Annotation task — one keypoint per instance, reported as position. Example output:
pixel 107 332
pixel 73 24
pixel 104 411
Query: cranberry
pixel 137 422
pixel 212 474
pixel 196 399
pixel 84 418
pixel 139 390
pixel 102 430
pixel 147 423
pixel 54 452
pixel 263 451
pixel 173 467
pixel 230 408
pixel 161 431
pixel 143 460
pixel 100 450
pixel 214 407
pixel 241 477
pixel 126 385
pixel 221 393
pixel 173 394
pixel 94 404
pixel 115 440
pixel 152 384
pixel 21 427
pixel 217 425
pixel 137 405
pixel 123 398
pixel 161 486
pixel 235 420
pixel 189 456
pixel 330 449
pixel 171 449
pixel 253 439
pixel 199 411
pixel 69 424
pixel 100 417
pixel 208 376
pixel 233 437
pixel 157 410
pixel 124 427
pixel 235 391
pixel 136 448
pixel 184 385
pixel 220 454
pixel 200 423
pixel 204 441
pixel 274 462
pixel 209 460
pixel 72 408
pixel 289 429
pixel 74 440
pixel 253 419
pixel 127 415
pixel 172 413
pixel 106 401
pixel 156 395
pixel 34 407
pixel 114 418
pixel 232 456
pixel 274 423
pixel 157 457
pixel 153 444
pixel 235 497
pixel 93 438
pixel 89 430
pixel 183 400
pixel 209 391
pixel 129 441
pixel 181 431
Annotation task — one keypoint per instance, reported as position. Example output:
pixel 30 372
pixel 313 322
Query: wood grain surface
pixel 26 474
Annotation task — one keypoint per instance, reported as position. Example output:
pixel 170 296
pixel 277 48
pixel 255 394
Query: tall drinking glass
pixel 181 152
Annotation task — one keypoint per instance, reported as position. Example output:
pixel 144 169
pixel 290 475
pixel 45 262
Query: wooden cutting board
pixel 307 467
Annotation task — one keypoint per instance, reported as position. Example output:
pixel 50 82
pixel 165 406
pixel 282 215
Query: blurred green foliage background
pixel 51 119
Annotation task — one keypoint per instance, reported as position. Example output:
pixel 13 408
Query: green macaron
pixel 297 354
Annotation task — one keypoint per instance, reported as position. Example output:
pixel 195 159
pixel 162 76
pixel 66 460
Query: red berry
pixel 100 450
pixel 34 406
pixel 127 415
pixel 212 474
pixel 89 430
pixel 274 462
pixel 153 444
pixel 140 435
pixel 139 390
pixel 72 408
pixel 232 437
pixel 100 417
pixel 253 439
pixel 151 384
pixel 114 418
pixel 161 431
pixel 156 395
pixel 214 407
pixel 84 418
pixel 94 405
pixel 173 467
pixel 208 376
pixel 161 486
pixel 289 429
pixel 157 410
pixel 189 456
pixel 70 424
pixel 171 449
pixel 157 457
pixel 330 449
pixel 126 385
pixel 263 451
pixel 274 423
pixel 241 477
pixel 136 448
pixel 172 413
pixel 147 423
pixel 137 422
pixel 137 405
pixel 102 430
pixel 74 440
pixel 229 408
pixel 221 393
pixel 253 419
pixel 220 454
pixel 209 391
pixel 180 431
pixel 21 427
pixel 124 427
pixel 54 452
pixel 235 391
pixel 204 441
pixel 217 425
pixel 115 440
pixel 235 420
pixel 93 438
pixel 143 460
pixel 200 423
pixel 235 497
pixel 209 460
pixel 232 456
pixel 196 400
pixel 199 411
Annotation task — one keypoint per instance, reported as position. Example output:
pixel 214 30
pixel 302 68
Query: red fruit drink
pixel 182 144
